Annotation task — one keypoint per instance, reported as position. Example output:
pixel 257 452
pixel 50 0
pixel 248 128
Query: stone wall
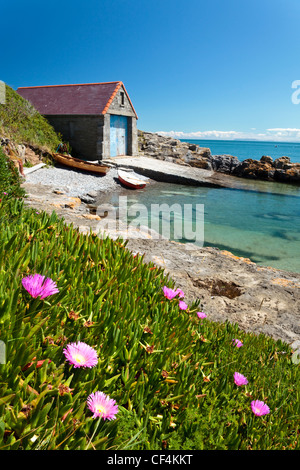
pixel 89 136
pixel 132 137
pixel 121 105
pixel 84 133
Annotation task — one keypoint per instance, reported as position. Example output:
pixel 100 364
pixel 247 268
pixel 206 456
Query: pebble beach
pixel 74 183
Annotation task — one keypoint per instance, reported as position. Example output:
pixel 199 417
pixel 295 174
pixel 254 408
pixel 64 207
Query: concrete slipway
pixel 168 172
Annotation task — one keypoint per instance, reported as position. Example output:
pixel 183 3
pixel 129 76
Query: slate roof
pixel 86 98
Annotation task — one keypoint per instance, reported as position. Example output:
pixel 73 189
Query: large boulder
pixel 224 163
pixel 283 163
pixel 173 150
pixel 281 169
pixel 254 169
pixel 290 175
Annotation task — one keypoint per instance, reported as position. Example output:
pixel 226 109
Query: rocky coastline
pixel 259 299
pixel 184 153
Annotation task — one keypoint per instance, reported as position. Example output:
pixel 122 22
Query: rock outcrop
pixel 185 153
pixel 266 168
pixel 173 150
pixel 23 155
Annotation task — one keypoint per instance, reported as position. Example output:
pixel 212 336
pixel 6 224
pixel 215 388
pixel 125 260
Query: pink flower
pixel 180 293
pixel 37 286
pixel 182 305
pixel 81 355
pixel 237 343
pixel 169 293
pixel 201 315
pixel 259 408
pixel 102 406
pixel 239 379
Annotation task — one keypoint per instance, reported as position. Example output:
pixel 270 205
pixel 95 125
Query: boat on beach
pixel 78 164
pixel 131 180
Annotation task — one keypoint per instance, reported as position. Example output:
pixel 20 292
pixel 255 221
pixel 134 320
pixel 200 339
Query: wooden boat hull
pixel 80 164
pixel 131 181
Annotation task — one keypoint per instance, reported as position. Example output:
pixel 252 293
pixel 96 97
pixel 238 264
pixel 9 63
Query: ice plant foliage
pixel 102 406
pixel 239 379
pixel 81 355
pixel 38 286
pixel 259 408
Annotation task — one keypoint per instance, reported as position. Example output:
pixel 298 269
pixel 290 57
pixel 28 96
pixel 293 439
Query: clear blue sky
pixel 193 66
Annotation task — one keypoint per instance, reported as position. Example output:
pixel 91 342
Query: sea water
pixel 250 149
pixel 260 222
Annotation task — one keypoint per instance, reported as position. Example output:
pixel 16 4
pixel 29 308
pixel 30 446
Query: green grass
pixel 9 177
pixel 170 373
pixel 21 122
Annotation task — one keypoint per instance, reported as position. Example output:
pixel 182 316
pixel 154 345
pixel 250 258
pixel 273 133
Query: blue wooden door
pixel 118 135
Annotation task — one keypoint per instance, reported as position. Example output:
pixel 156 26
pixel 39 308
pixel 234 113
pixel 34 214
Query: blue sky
pixel 196 69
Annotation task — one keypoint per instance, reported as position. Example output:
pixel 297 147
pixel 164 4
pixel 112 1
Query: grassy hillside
pixel 20 122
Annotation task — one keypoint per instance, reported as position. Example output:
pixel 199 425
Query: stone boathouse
pixel 97 119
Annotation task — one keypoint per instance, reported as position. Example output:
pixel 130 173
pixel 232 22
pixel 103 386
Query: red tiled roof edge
pixel 119 84
pixel 129 100
pixel 114 94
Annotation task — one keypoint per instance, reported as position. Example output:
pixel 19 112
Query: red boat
pixel 131 180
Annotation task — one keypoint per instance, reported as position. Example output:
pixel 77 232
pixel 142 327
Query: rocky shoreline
pixel 259 299
pixel 184 153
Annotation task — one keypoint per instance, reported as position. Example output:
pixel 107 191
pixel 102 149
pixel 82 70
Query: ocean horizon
pixel 243 149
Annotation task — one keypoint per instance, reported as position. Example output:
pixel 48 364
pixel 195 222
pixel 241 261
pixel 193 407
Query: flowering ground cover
pixel 102 352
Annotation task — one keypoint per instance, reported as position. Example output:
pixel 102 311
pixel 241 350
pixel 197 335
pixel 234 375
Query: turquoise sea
pixel 260 222
pixel 251 149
